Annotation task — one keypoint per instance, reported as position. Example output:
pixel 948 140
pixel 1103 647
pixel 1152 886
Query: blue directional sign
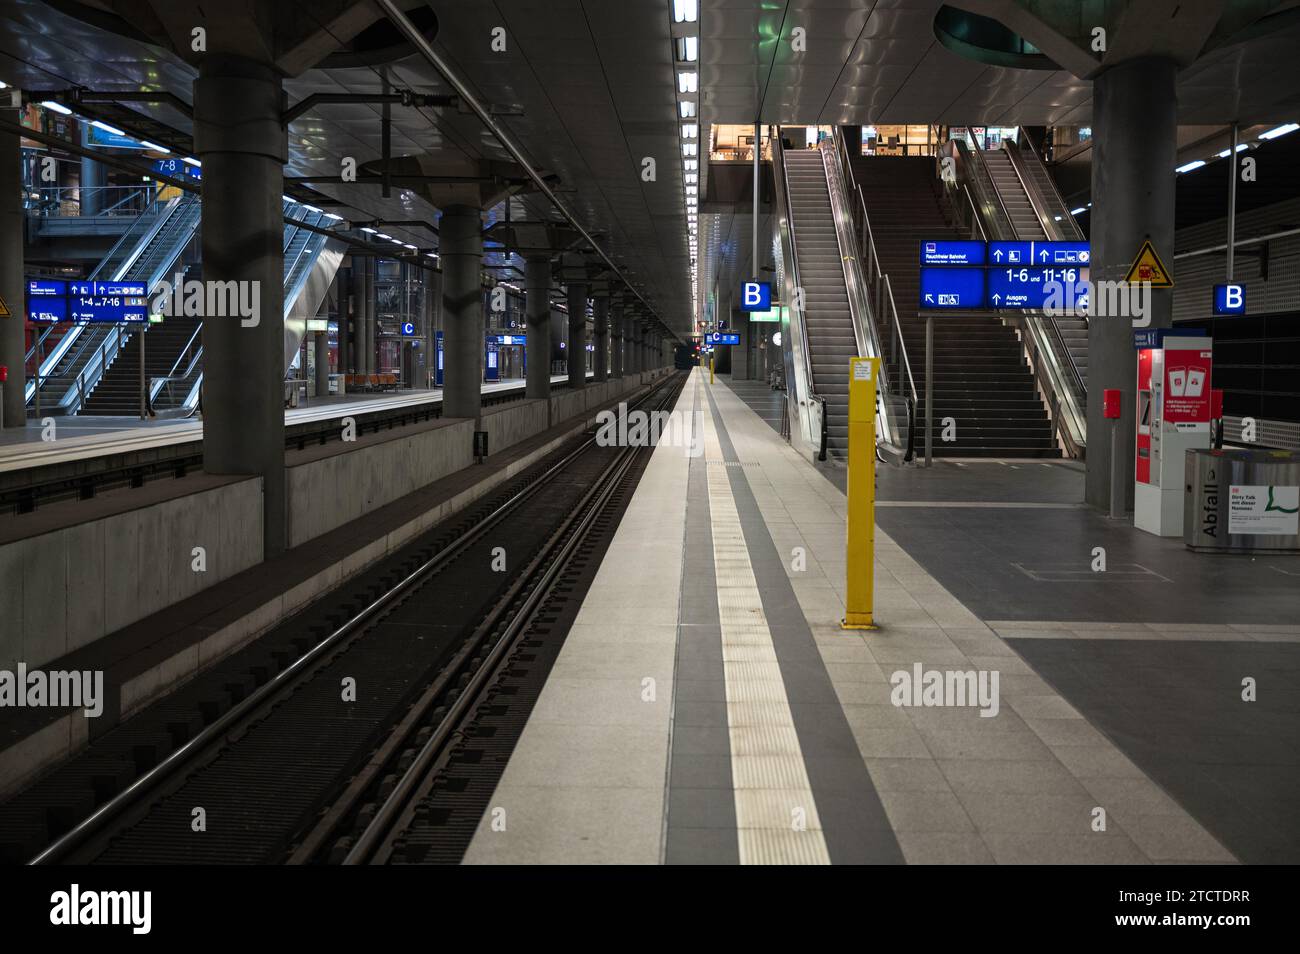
pixel 756 296
pixel 44 288
pixel 953 253
pixel 408 328
pixel 177 169
pixel 1028 287
pixel 1061 253
pixel 952 288
pixel 722 338
pixel 1229 299
pixel 47 310
pixel 108 301
pixel 1011 253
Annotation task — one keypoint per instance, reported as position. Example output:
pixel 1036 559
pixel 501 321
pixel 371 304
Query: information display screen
pixel 85 301
pixel 976 275
pixel 1028 287
pixel 952 288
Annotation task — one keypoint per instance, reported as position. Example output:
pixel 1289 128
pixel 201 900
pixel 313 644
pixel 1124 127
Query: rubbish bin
pixel 1242 501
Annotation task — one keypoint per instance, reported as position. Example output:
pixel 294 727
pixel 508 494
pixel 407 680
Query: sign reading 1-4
pixel 756 296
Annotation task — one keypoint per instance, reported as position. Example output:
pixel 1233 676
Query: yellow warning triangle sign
pixel 4 310
pixel 1147 267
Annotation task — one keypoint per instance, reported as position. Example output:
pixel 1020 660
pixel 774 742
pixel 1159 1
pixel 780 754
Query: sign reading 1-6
pixel 756 296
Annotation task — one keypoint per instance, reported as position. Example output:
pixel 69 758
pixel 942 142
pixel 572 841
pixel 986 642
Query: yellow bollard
pixel 710 367
pixel 862 492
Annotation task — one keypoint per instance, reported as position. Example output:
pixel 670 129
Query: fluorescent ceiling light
pixel 154 146
pixel 412 247
pixel 690 165
pixel 690 149
pixel 1280 131
pixel 1079 211
pixel 687 81
pixel 688 48
pixel 331 215
pixel 397 241
pixel 366 228
pixel 288 199
pixel 382 235
pixel 57 107
pixel 310 208
pixel 686 11
pixel 692 177
pixel 190 161
pixel 1189 166
pixel 687 108
pixel 690 130
pixel 111 130
pixel 1228 152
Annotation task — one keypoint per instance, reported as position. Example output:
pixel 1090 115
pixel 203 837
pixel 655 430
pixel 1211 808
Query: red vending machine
pixel 1173 416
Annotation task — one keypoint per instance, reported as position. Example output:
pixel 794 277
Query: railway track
pixel 313 744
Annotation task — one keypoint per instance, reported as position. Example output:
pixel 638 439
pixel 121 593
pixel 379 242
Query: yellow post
pixel 710 367
pixel 862 492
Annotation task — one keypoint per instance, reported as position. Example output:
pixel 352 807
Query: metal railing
pixel 104 201
pixel 806 409
pixel 882 315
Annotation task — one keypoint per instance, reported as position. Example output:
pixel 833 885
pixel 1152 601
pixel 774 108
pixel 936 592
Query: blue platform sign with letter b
pixel 756 296
pixel 1229 299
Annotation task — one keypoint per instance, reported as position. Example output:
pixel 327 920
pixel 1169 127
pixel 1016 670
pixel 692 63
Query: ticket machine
pixel 1173 416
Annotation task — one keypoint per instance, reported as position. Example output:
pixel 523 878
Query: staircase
pixel 981 380
pixel 118 390
pixel 828 321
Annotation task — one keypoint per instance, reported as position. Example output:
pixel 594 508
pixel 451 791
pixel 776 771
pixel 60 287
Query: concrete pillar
pixel 368 324
pixel 577 347
pixel 461 254
pixel 740 352
pixel 600 336
pixel 1134 129
pixel 13 347
pixel 616 339
pixel 322 364
pixel 242 144
pixel 537 308
pixel 92 186
pixel 430 343
pixel 357 348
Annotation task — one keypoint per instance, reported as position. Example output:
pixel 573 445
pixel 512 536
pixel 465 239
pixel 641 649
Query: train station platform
pixel 707 707
pixel 85 437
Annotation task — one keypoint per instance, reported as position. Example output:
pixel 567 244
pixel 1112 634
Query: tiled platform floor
pixel 701 673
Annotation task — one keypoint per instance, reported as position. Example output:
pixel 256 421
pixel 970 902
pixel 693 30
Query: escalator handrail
pixel 1031 194
pixel 1022 138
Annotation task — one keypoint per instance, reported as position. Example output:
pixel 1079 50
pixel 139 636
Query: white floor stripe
pixel 776 815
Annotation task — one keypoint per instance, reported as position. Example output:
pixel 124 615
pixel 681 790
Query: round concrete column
pixel 537 344
pixel 1134 143
pixel 616 339
pixel 13 346
pixel 322 364
pixel 239 138
pixel 577 348
pixel 600 337
pixel 460 241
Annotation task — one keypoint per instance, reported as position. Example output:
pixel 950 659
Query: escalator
pixel 148 252
pixel 1013 198
pixel 829 324
pixel 827 317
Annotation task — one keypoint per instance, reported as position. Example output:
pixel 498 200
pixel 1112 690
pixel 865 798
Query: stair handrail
pixel 187 354
pixel 1049 373
pixel 859 287
pixel 796 355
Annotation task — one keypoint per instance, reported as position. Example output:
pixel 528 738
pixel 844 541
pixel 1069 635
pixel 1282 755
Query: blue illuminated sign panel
pixel 953 253
pixel 952 288
pixel 1027 287
pixel 46 289
pixel 408 328
pixel 1229 299
pixel 756 296
pixel 722 338
pixel 177 169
